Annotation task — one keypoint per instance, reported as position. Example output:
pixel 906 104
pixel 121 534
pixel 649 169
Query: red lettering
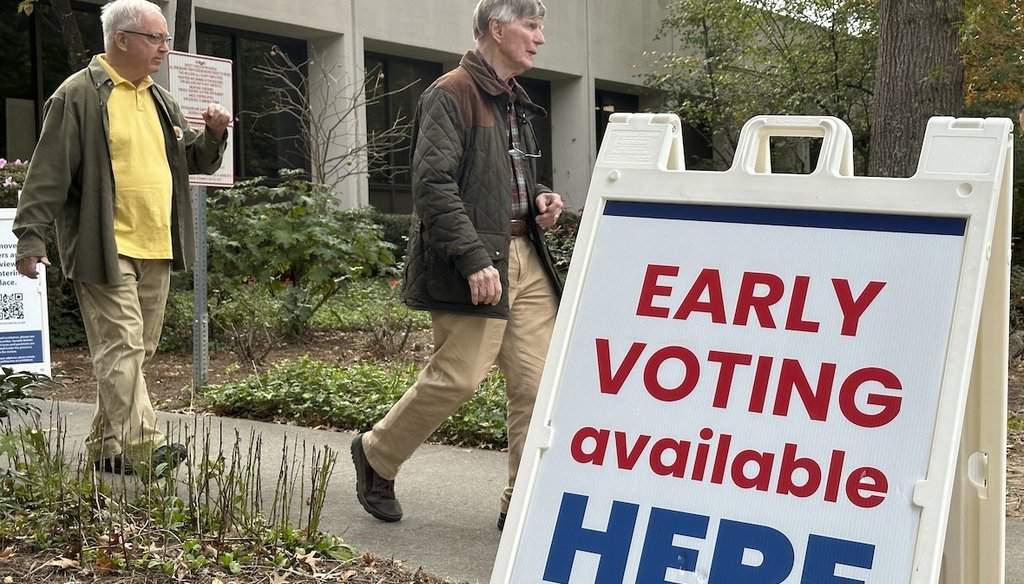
pixel 728 362
pixel 650 289
pixel 761 305
pixel 790 463
pixel 795 317
pixel 627 460
pixel 710 282
pixel 890 404
pixel 685 387
pixel 680 450
pixel 853 308
pixel 866 479
pixel 595 456
pixel 612 382
pixel 763 461
pixel 791 376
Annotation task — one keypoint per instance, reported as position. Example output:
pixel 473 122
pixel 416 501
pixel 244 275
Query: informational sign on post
pixel 24 328
pixel 197 81
pixel 757 377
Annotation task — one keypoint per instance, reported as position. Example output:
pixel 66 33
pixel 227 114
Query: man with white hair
pixel 477 259
pixel 111 170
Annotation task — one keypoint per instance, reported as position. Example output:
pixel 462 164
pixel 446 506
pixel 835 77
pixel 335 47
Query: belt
pixel 519 228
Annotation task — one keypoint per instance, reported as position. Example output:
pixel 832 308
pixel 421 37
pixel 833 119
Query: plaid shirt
pixel 519 190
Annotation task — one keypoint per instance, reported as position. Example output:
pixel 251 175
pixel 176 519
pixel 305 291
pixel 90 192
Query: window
pixel 388 103
pixel 35 63
pixel 608 103
pixel 264 142
pixel 391 185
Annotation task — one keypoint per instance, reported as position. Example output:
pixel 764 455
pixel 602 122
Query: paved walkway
pixel 450 497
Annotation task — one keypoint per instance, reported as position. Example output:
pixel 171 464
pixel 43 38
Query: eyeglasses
pixel 154 39
pixel 517 153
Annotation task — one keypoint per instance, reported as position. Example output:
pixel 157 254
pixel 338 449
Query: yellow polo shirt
pixel 142 176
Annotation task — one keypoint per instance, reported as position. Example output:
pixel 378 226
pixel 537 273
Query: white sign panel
pixel 197 81
pixel 757 378
pixel 24 328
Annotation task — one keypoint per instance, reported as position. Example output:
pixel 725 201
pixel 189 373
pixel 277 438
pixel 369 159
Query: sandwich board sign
pixel 24 324
pixel 762 378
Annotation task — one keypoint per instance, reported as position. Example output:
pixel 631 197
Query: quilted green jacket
pixel 70 181
pixel 461 180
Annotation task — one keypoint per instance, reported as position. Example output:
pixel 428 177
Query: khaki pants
pixel 465 348
pixel 122 324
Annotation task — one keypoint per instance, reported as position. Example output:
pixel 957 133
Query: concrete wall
pixel 590 44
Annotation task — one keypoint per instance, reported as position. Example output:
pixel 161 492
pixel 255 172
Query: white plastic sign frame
pixel 761 377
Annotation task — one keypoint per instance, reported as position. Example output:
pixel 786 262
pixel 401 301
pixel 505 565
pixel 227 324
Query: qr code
pixel 12 306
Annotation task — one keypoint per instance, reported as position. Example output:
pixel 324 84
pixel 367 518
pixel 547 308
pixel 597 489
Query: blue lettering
pixel 825 553
pixel 659 554
pixel 570 537
pixel 734 538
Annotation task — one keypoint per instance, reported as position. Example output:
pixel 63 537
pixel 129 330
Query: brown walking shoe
pixel 375 493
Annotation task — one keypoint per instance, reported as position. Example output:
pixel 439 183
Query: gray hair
pixel 504 11
pixel 123 15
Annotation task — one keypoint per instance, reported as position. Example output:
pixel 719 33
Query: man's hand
pixel 485 286
pixel 27 265
pixel 549 207
pixel 217 119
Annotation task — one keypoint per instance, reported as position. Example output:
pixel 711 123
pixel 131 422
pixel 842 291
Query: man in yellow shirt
pixel 111 170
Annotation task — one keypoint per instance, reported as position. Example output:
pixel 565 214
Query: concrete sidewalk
pixel 449 495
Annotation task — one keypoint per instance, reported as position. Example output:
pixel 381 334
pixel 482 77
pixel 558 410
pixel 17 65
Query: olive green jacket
pixel 461 183
pixel 70 180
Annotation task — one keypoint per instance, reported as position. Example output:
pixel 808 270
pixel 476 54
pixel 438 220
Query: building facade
pixel 590 67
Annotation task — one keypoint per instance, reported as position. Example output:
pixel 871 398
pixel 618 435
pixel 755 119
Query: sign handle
pixel 753 154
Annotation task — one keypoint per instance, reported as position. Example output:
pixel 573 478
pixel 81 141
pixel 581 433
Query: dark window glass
pixel 265 142
pixel 35 62
pixel 610 102
pixel 540 94
pixel 393 86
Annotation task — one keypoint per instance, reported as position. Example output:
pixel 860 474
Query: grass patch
pixel 354 397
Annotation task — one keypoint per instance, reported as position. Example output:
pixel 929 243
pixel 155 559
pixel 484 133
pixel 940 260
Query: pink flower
pixel 3 162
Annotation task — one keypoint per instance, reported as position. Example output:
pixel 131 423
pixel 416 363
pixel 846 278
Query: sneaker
pixel 117 464
pixel 375 493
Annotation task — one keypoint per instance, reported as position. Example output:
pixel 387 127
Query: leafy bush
pixel 395 231
pixel 562 240
pixel 354 397
pixel 1016 297
pixel 291 241
pixel 12 177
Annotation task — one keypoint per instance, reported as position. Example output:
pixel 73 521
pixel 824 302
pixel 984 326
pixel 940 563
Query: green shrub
pixel 291 243
pixel 354 397
pixel 395 228
pixel 562 240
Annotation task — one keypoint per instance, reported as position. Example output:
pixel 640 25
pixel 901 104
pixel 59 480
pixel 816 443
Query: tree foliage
pixel 811 57
pixel 992 45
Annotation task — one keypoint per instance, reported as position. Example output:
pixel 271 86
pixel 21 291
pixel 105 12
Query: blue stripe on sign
pixel 848 220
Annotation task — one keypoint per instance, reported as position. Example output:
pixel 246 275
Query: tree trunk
pixel 182 25
pixel 78 57
pixel 918 75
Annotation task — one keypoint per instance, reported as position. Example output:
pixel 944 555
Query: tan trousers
pixel 465 348
pixel 122 324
